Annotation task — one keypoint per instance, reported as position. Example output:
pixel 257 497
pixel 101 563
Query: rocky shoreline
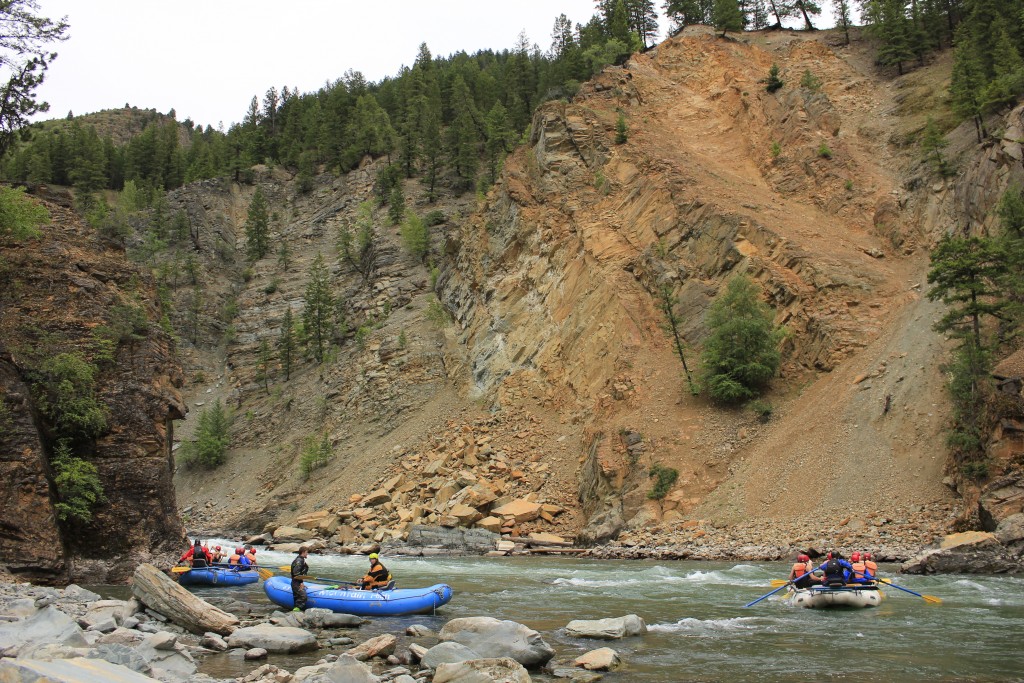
pixel 73 634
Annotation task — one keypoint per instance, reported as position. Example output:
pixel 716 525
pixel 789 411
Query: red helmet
pixel 868 556
pixel 218 547
pixel 238 551
pixel 829 556
pixel 855 557
pixel 252 550
pixel 804 558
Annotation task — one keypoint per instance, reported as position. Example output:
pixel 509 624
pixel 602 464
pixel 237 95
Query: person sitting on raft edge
pixel 377 577
pixel 801 575
pixel 837 570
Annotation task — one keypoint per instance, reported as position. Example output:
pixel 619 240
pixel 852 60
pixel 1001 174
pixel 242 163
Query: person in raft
pixel 299 569
pixel 250 553
pixel 377 577
pixel 861 573
pixel 801 575
pixel 217 556
pixel 196 556
pixel 837 570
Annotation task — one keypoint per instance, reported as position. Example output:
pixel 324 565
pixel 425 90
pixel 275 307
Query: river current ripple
pixel 698 627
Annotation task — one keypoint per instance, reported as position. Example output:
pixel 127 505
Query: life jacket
pixel 835 572
pixel 800 568
pixel 251 557
pixel 859 574
pixel 376 577
pixel 200 558
pixel 871 568
pixel 235 557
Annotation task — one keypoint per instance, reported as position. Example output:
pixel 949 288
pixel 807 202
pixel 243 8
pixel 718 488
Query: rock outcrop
pixel 64 294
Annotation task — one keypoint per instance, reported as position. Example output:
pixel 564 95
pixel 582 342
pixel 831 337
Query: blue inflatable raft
pixel 218 576
pixel 387 603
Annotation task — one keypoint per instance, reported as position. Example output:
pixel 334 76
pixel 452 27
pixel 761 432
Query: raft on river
pixel 394 602
pixel 822 597
pixel 218 576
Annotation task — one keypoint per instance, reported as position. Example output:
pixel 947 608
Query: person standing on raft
pixel 299 569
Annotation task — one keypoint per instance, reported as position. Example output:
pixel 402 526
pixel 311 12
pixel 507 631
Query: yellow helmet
pixel 374 556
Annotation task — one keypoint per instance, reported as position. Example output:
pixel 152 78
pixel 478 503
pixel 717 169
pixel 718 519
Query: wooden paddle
pixel 931 599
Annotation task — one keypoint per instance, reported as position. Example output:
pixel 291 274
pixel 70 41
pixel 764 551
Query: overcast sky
pixel 207 59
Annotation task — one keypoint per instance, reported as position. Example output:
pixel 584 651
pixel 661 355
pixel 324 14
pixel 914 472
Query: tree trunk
pixel 160 593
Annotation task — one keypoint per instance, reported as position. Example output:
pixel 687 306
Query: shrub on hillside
pixel 741 354
pixel 66 392
pixel 20 217
pixel 316 454
pixel 78 485
pixel 664 478
pixel 210 447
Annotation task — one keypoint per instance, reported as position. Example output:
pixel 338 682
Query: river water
pixel 699 627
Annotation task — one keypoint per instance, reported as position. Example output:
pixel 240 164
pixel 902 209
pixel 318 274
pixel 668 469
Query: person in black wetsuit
pixel 299 568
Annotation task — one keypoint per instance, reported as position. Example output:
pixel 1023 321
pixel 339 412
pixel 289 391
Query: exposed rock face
pixel 971 552
pixel 54 291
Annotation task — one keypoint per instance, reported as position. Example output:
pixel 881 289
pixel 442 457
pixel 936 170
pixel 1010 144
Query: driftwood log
pixel 160 593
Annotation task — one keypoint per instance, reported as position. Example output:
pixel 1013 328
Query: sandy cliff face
pixel 56 290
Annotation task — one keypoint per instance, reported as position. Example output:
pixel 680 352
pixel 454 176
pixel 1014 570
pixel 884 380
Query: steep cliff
pixel 58 293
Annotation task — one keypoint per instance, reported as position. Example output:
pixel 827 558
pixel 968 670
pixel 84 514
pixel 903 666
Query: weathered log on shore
pixel 159 592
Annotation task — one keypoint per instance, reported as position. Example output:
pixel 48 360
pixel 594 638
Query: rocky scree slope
pixel 557 347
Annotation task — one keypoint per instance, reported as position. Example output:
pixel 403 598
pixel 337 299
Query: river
pixel 699 628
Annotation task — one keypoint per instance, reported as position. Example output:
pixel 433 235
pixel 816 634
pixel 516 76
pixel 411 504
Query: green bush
pixel 763 409
pixel 66 393
pixel 741 354
pixel 78 485
pixel 316 454
pixel 664 478
pixel 776 149
pixel 621 133
pixel 435 217
pixel 773 82
pixel 415 236
pixel 824 152
pixel 810 82
pixel 209 448
pixel 20 217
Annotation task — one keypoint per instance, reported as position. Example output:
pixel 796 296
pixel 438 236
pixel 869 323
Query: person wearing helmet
pixel 196 556
pixel 216 555
pixel 800 574
pixel 870 568
pixel 377 577
pixel 235 557
pixel 837 570
pixel 250 554
pixel 859 572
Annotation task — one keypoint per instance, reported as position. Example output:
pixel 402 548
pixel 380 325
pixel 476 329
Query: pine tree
pixel 932 143
pixel 263 359
pixel 316 316
pixel 965 274
pixel 807 8
pixel 396 203
pixel 415 236
pixel 257 227
pixel 843 21
pixel 967 84
pixel 741 354
pixel 894 35
pixel 1007 70
pixel 499 139
pixel 727 16
pixel 284 255
pixel 463 135
pixel 286 344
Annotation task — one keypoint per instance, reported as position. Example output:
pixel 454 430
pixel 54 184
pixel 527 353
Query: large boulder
pixel 447 653
pixel 499 670
pixel 168 665
pixel 494 638
pixel 292 534
pixel 48 625
pixel 520 509
pixel 77 669
pixel 276 639
pixel 970 552
pixel 1011 530
pixel 607 629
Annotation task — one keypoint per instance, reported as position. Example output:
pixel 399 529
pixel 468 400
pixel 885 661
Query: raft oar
pixel 767 595
pixel 927 598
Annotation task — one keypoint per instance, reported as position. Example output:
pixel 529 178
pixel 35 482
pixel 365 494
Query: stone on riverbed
pixel 212 641
pixel 447 653
pixel 494 638
pixel 78 669
pixel 276 639
pixel 48 625
pixel 255 653
pixel 324 618
pixel 346 669
pixel 380 646
pixel 500 670
pixel 607 629
pixel 601 659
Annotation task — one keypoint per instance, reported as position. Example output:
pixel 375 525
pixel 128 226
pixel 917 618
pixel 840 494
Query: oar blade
pixel 264 573
pixel 180 570
pixel 932 599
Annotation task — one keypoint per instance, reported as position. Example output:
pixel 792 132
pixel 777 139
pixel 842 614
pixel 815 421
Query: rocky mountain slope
pixel 555 386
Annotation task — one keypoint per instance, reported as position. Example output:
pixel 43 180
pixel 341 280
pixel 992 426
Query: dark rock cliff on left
pixel 65 294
